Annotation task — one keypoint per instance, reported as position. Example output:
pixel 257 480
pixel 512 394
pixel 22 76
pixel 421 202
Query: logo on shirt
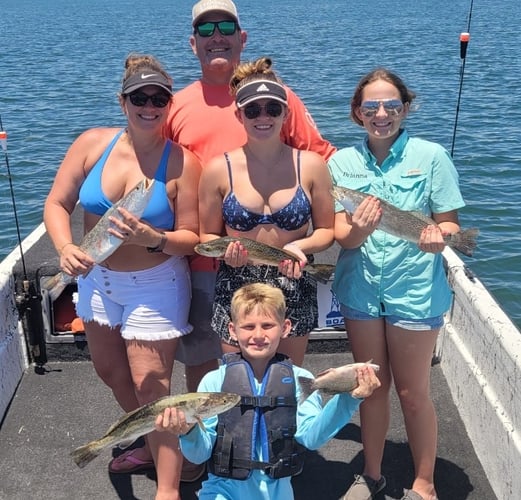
pixel 354 176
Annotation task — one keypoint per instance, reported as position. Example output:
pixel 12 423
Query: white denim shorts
pixel 150 304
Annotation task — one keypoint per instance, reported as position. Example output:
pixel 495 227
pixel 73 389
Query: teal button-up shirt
pixel 388 275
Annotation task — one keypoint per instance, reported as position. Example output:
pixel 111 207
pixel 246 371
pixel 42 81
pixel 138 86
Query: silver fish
pixel 98 244
pixel 333 380
pixel 261 253
pixel 403 224
pixel 195 406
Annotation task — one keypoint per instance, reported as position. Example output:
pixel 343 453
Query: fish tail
pixel 464 241
pixel 85 454
pixel 320 272
pixel 56 284
pixel 306 388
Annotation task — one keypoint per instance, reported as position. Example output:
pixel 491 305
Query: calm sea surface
pixel 61 62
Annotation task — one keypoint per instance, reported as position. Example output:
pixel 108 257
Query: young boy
pixel 253 449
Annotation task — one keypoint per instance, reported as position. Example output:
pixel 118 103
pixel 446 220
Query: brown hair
pixel 250 71
pixel 406 95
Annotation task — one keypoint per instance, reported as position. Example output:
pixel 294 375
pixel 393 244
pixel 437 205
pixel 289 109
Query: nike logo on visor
pixel 143 76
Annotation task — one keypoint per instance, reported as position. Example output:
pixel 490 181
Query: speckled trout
pixel 403 224
pixel 263 254
pixel 99 244
pixel 195 406
pixel 333 380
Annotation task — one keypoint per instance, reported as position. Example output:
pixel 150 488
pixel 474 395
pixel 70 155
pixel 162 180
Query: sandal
pixel 127 463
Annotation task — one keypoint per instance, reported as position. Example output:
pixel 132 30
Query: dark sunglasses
pixel 159 100
pixel 254 109
pixel 393 107
pixel 207 29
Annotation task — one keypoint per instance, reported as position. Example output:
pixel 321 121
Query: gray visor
pixel 260 89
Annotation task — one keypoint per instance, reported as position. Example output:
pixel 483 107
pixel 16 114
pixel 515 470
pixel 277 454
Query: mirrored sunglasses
pixel 393 107
pixel 159 100
pixel 207 29
pixel 254 109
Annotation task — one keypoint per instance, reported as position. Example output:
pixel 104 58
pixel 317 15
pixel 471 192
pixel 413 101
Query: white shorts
pixel 150 304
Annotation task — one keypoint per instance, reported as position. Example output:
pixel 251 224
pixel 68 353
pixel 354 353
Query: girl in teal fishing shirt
pixel 393 293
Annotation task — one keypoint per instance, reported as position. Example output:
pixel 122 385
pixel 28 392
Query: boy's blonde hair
pixel 267 298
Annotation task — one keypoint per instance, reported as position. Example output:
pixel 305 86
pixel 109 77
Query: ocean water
pixel 61 63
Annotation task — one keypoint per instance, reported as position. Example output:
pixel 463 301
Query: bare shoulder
pixel 311 162
pixel 98 135
pixel 184 156
pixel 216 166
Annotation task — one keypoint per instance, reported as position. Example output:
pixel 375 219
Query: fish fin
pixel 464 241
pixel 323 372
pixel 306 388
pixel 320 272
pixel 200 423
pixel 86 453
pixel 123 445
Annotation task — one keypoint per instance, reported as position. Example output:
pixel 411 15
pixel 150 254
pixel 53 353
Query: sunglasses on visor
pixel 159 100
pixel 207 29
pixel 393 107
pixel 254 109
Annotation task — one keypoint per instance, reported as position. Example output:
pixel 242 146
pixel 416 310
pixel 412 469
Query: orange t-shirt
pixel 202 119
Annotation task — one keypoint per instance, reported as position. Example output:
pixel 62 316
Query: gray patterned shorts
pixel 300 295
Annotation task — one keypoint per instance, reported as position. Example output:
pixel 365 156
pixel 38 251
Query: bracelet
pixel 160 247
pixel 63 246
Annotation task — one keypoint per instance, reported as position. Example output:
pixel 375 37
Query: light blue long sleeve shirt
pixel 316 425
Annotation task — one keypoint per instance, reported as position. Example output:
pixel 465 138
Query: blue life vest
pixel 270 415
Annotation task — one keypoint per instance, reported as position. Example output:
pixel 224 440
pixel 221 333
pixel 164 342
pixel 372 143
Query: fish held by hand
pixel 195 405
pixel 263 254
pixel 407 225
pixel 333 380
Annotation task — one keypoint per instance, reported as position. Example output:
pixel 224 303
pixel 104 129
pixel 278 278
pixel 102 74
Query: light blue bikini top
pixel 157 213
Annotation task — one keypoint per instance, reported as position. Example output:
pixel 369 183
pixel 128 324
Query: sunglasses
pixel 159 100
pixel 207 29
pixel 254 109
pixel 393 107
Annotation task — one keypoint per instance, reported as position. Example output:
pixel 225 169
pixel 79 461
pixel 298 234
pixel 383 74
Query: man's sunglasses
pixel 207 29
pixel 159 100
pixel 393 107
pixel 254 109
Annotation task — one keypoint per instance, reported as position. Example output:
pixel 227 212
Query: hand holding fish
pixel 74 261
pixel 236 255
pixel 173 420
pixel 292 268
pixel 344 378
pixel 367 215
pixel 431 240
pixel 132 230
pixel 367 382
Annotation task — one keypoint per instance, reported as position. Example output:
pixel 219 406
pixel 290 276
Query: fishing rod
pixel 28 302
pixel 3 144
pixel 464 41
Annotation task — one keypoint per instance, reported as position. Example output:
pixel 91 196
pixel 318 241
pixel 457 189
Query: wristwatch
pixel 159 247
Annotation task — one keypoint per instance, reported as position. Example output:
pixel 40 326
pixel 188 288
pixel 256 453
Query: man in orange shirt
pixel 203 120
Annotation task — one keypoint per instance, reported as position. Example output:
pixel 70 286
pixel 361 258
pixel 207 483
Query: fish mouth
pixel 148 183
